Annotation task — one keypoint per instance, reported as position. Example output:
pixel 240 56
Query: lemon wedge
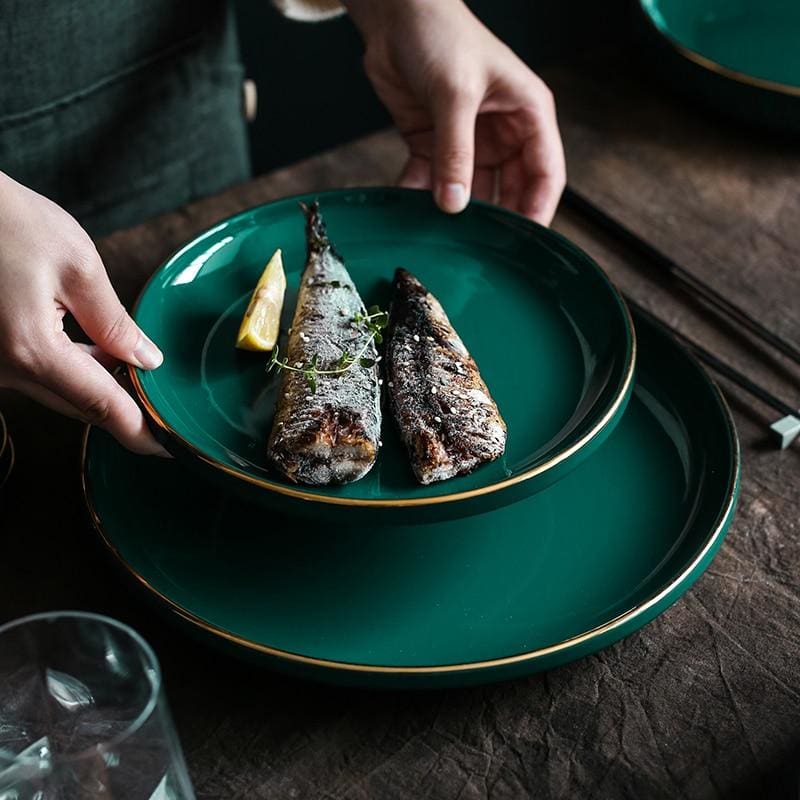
pixel 261 321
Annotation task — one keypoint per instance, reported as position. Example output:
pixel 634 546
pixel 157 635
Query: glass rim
pixel 137 722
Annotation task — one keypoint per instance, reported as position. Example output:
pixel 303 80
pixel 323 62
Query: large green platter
pixel 523 588
pixel 550 333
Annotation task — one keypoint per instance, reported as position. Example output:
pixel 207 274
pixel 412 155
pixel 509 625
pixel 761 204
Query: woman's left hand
pixel 476 119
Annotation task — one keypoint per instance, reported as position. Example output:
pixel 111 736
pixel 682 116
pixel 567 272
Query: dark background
pixel 312 91
pixel 703 702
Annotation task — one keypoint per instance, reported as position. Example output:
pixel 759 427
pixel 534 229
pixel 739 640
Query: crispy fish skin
pixel 447 418
pixel 332 435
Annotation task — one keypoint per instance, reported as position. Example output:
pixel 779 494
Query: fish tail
pixel 316 232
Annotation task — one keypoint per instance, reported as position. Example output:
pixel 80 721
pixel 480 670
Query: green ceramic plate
pixel 532 585
pixel 740 56
pixel 551 335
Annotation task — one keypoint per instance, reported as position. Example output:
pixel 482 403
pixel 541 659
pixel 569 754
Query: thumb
pixel 454 152
pixel 97 309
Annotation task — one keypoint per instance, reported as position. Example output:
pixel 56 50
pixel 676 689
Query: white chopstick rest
pixel 786 430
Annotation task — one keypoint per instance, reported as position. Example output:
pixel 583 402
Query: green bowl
pixel 739 57
pixel 553 339
pixel 493 596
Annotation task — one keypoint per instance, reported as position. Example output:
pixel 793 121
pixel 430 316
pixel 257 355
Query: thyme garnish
pixel 373 323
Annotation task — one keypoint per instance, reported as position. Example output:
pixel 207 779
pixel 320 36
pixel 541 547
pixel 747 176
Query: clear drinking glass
pixel 83 714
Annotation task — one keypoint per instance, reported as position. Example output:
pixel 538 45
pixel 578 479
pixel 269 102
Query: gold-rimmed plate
pixel 526 587
pixel 551 335
pixel 739 56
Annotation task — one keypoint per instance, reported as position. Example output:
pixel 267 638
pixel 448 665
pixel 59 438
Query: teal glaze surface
pixel 541 582
pixel 736 57
pixel 550 334
pixel 758 38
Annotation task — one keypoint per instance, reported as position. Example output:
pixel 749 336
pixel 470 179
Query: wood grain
pixel 703 702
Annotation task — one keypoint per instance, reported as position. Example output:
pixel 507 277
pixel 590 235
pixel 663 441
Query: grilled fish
pixel 328 434
pixel 446 416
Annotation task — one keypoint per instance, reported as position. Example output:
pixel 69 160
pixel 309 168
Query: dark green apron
pixel 121 109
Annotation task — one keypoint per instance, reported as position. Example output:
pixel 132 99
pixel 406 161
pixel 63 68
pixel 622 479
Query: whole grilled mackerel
pixel 446 416
pixel 330 434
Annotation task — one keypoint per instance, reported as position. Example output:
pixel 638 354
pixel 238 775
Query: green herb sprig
pixel 373 323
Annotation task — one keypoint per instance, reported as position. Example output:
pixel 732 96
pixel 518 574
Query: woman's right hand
pixel 48 267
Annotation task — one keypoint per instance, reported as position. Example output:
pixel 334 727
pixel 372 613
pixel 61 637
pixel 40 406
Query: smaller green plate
pixel 738 56
pixel 527 587
pixel 551 335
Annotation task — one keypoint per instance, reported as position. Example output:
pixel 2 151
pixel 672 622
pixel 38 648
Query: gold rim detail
pixel 343 666
pixel 720 69
pixel 623 392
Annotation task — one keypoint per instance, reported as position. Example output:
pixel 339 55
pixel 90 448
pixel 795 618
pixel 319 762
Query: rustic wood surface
pixel 703 702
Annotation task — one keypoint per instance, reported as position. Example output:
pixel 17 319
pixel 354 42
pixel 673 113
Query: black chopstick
pixel 718 365
pixel 688 281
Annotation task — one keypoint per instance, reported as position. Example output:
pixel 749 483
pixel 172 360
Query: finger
pixel 483 183
pixel 47 398
pixel 454 152
pixel 73 375
pixel 511 183
pixel 100 356
pixel 542 157
pixel 51 400
pixel 88 294
pixel 539 198
pixel 416 173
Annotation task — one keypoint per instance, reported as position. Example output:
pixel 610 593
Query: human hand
pixel 48 267
pixel 476 119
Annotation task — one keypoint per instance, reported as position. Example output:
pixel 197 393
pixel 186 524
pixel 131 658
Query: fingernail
pixel 453 197
pixel 154 448
pixel 147 355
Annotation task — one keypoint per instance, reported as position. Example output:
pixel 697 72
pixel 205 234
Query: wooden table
pixel 703 702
